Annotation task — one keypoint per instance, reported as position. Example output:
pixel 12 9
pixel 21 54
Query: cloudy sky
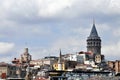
pixel 45 26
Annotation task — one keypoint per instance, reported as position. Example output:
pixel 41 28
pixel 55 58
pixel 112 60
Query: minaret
pixel 59 61
pixel 94 41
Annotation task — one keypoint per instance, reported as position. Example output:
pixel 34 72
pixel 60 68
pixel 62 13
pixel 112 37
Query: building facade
pixel 114 66
pixel 78 57
pixel 7 70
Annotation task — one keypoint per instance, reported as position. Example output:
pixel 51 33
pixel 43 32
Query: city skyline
pixel 45 26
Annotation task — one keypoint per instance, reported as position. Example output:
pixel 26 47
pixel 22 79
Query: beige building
pixel 7 70
pixel 59 66
pixel 111 65
pixel 47 60
pixel 115 66
pixel 25 57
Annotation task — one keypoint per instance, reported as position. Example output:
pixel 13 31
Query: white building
pixel 79 57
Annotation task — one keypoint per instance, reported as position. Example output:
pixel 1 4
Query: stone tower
pixel 94 42
pixel 26 57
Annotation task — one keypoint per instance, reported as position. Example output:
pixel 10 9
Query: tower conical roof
pixel 93 32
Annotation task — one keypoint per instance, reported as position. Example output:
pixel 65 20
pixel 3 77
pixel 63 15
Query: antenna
pixel 93 21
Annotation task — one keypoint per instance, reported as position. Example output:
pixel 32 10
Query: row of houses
pixel 79 60
pixel 91 60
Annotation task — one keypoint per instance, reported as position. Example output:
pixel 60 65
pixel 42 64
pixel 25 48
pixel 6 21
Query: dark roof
pixel 48 57
pixel 93 32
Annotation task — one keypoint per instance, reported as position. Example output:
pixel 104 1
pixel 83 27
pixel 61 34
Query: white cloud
pixel 75 8
pixel 57 8
pixel 6 47
pixel 112 51
pixel 29 18
pixel 116 32
pixel 69 44
pixel 114 7
pixel 51 8
pixel 40 31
